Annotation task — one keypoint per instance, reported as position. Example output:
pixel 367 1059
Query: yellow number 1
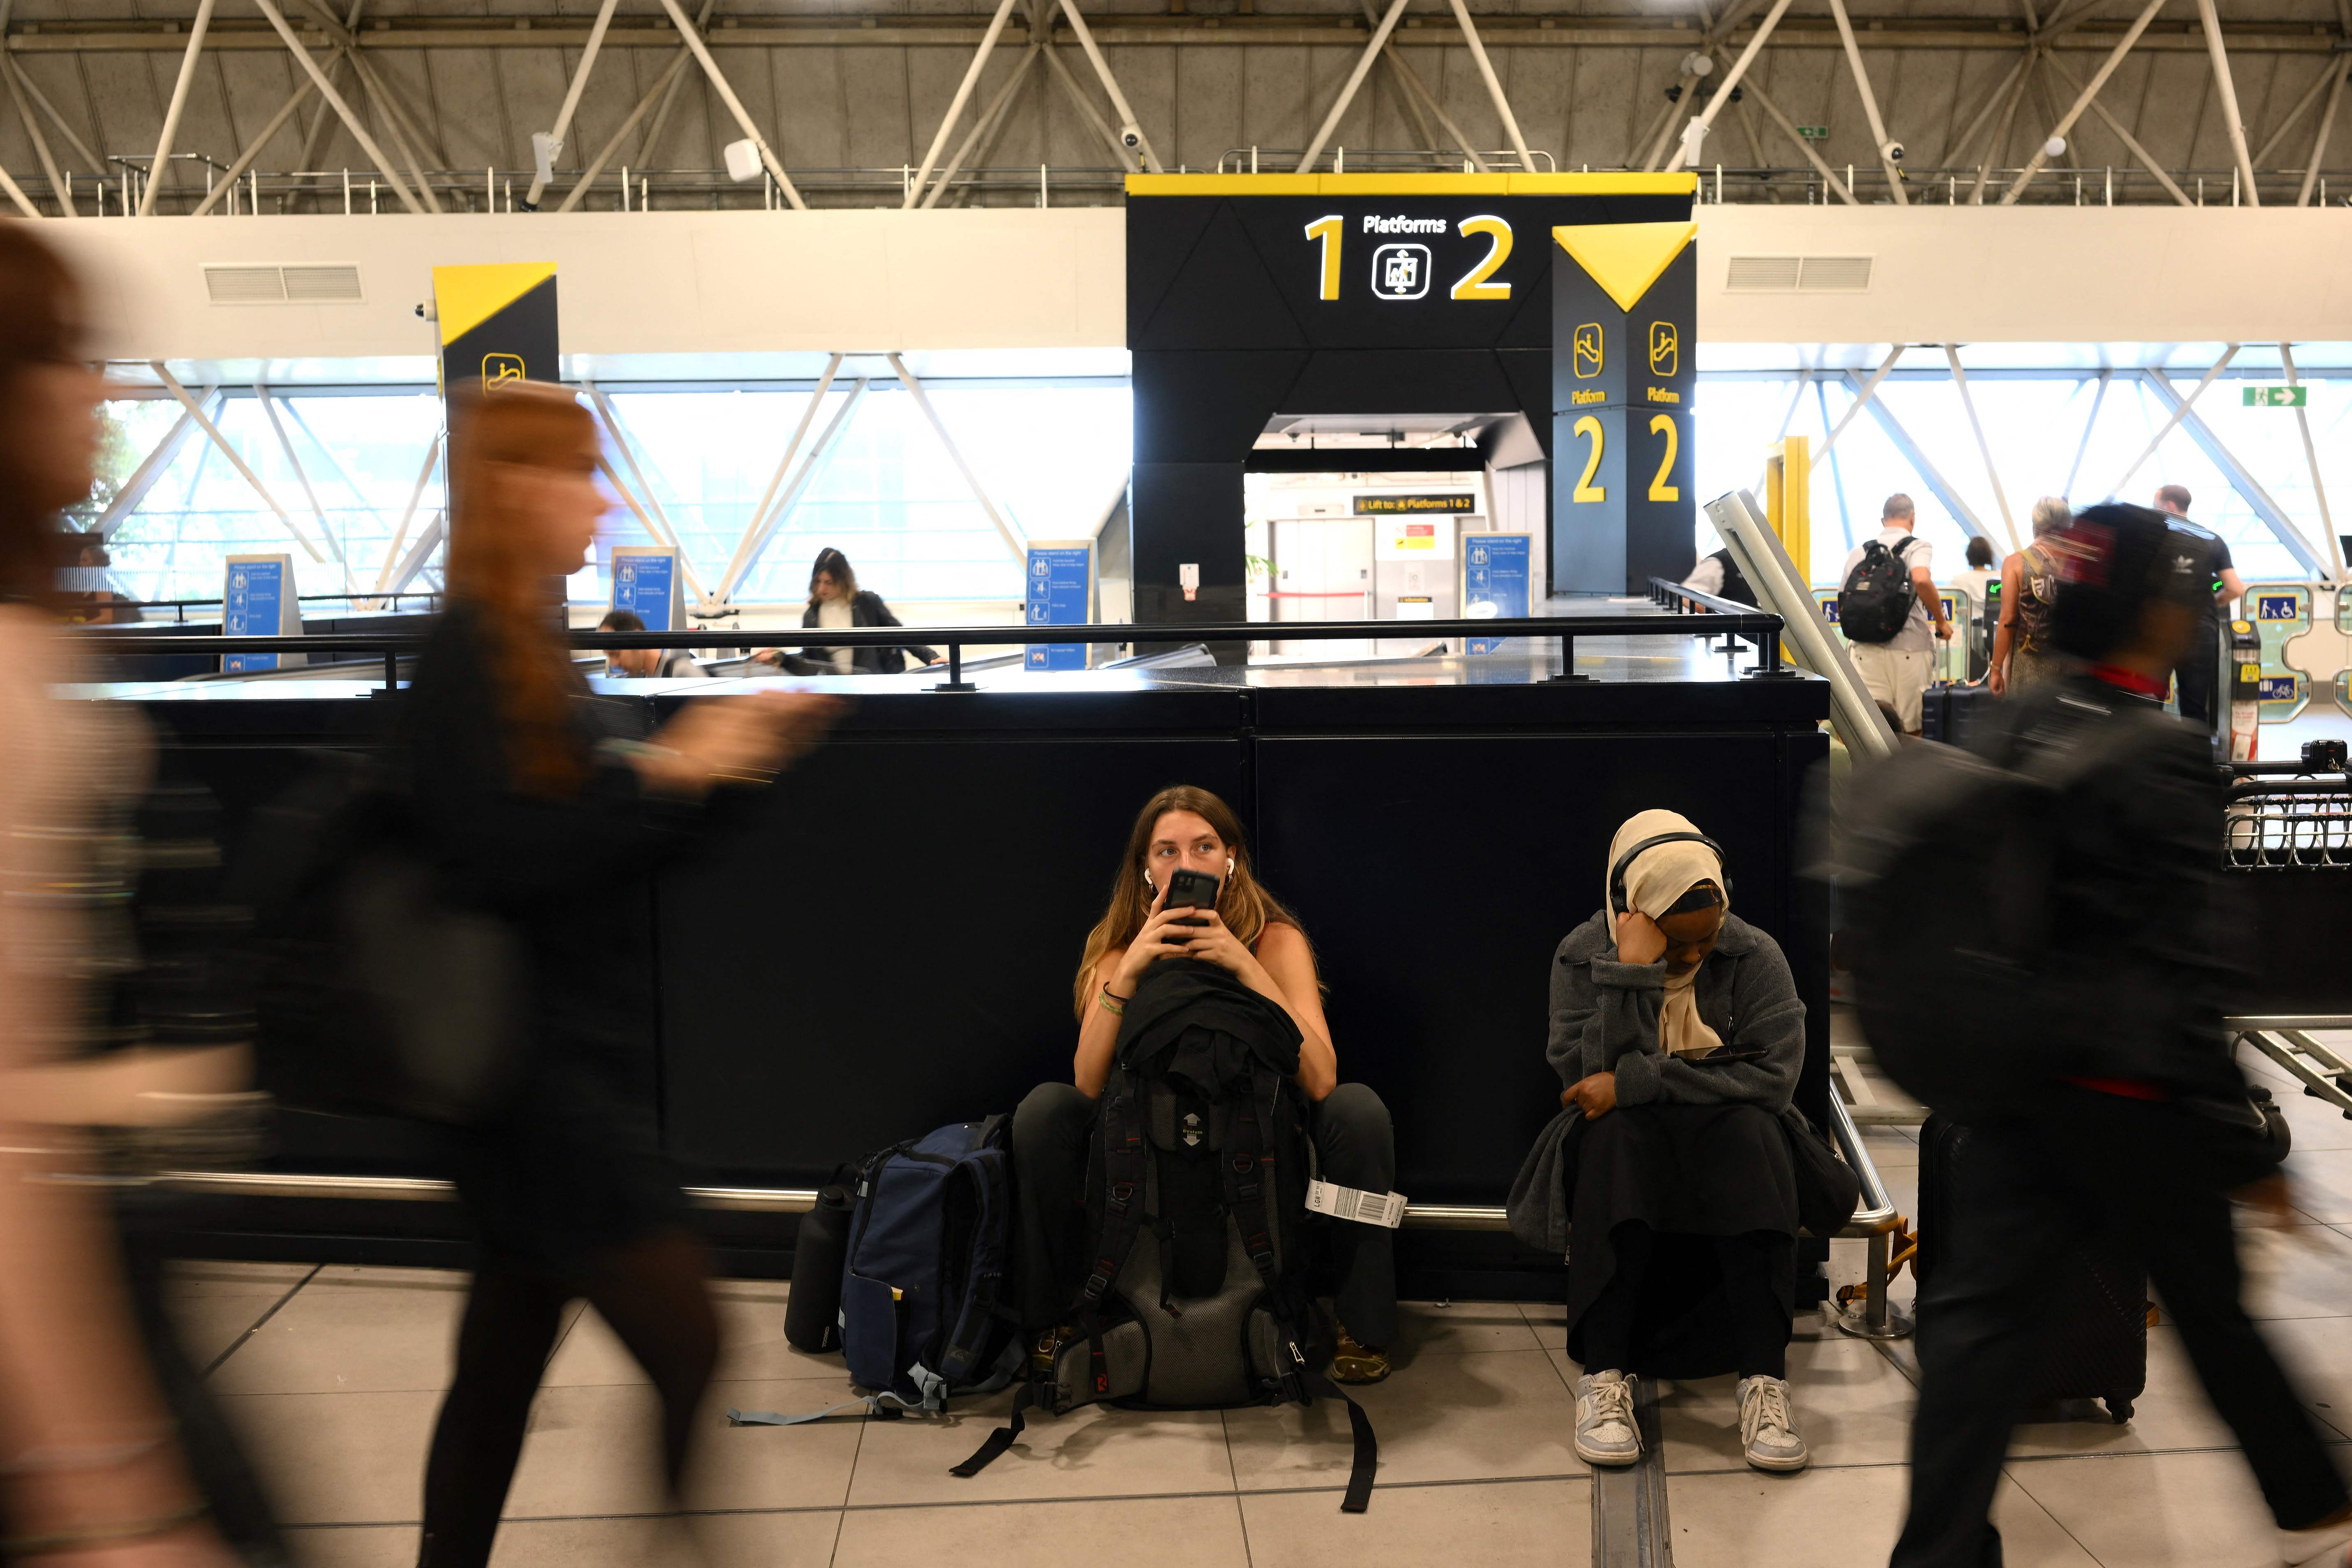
pixel 1328 230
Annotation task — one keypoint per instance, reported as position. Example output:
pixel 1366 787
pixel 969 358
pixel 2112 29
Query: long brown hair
pixel 1247 908
pixel 39 324
pixel 523 425
pixel 832 562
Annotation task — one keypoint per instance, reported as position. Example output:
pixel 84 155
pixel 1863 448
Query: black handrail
pixel 1743 620
pixel 1668 594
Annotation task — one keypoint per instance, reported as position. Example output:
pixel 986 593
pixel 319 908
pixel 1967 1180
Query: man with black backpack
pixel 1886 598
pixel 2075 1033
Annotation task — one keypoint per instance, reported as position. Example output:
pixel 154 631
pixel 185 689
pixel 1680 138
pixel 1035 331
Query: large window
pixel 2079 435
pixel 872 478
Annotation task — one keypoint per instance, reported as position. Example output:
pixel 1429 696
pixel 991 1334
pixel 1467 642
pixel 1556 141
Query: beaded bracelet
pixel 1110 1003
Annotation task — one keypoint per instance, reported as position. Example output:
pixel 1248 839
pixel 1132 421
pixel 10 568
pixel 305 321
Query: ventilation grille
pixel 333 284
pixel 1798 274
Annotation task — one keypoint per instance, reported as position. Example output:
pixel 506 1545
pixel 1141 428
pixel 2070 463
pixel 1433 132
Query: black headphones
pixel 1617 903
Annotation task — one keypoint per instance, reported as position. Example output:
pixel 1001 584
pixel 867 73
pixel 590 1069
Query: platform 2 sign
pixel 257 600
pixel 1495 569
pixel 1060 594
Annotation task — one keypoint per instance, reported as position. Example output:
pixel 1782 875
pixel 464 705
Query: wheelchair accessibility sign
pixel 1400 271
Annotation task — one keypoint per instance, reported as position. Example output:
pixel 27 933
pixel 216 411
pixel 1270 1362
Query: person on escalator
pixel 1253 937
pixel 1677 1029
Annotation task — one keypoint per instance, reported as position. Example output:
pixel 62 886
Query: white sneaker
pixel 2321 1544
pixel 1766 1430
pixel 1605 1430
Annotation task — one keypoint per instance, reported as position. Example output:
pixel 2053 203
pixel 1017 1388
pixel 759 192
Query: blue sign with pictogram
pixel 1495 569
pixel 1061 579
pixel 253 605
pixel 645 580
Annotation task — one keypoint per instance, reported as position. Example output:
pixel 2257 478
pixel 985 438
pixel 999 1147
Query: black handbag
pixel 1828 1191
pixel 377 993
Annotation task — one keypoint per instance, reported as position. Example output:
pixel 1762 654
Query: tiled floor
pixel 335 1375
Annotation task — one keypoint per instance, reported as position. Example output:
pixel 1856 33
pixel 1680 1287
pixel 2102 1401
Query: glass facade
pixel 884 488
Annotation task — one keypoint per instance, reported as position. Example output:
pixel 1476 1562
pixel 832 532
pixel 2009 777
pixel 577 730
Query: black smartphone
pixel 1191 890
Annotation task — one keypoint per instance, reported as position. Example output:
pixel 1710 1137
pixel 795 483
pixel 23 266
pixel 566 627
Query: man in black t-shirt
pixel 2199 667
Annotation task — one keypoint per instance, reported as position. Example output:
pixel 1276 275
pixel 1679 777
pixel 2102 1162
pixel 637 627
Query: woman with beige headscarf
pixel 1676 1028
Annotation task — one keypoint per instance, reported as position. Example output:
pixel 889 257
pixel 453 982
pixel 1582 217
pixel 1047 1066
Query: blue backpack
pixel 930 1248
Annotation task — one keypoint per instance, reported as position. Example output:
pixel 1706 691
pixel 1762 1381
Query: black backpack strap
pixel 1367 1459
pixel 1004 1436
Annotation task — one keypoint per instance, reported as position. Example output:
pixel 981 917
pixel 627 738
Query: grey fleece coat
pixel 1605 1019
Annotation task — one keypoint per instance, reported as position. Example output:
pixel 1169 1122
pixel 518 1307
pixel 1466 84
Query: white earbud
pixel 1229 865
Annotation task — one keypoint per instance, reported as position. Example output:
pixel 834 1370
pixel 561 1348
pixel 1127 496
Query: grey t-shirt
pixel 1917 635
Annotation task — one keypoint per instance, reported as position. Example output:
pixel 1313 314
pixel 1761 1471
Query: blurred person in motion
pixel 535 818
pixel 2199 669
pixel 835 599
pixel 2023 656
pixel 96 1466
pixel 659 663
pixel 2134 1121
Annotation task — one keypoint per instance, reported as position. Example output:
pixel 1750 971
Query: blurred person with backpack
pixel 100 1461
pixel 2023 656
pixel 1887 600
pixel 534 818
pixel 1245 933
pixel 2073 1029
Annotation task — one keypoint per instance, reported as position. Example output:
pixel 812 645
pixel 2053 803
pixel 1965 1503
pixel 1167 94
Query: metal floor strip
pixel 1631 1528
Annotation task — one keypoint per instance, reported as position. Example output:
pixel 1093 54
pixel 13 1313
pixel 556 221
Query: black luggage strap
pixel 1123 1193
pixel 1367 1459
pixel 1004 1436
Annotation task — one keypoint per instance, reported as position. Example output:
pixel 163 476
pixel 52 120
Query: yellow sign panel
pixel 1625 258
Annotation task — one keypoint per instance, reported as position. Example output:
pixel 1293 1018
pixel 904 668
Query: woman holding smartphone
pixel 1188 835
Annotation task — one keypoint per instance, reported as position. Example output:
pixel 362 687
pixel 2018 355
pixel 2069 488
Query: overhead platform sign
pixel 497 324
pixel 1255 296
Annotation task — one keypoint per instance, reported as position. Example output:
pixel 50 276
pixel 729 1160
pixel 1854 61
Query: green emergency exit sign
pixel 1814 132
pixel 2276 396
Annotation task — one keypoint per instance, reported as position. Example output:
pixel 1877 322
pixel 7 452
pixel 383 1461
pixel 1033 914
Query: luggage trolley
pixel 2288 834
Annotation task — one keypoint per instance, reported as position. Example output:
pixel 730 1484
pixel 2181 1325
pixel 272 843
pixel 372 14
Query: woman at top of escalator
pixel 1250 935
pixel 1676 1027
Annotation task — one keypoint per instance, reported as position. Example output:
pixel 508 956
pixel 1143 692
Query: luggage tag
pixel 1385 1209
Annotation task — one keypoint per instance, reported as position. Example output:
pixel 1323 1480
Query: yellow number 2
pixel 1328 230
pixel 1664 425
pixel 1474 284
pixel 1585 489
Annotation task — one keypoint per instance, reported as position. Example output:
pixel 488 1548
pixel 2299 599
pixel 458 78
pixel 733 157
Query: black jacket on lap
pixel 865 609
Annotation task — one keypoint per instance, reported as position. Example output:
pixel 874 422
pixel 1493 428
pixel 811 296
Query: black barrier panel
pixel 1437 873
pixel 961 871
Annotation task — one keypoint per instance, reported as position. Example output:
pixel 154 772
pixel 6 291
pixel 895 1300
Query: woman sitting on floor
pixel 1251 935
pixel 1677 1029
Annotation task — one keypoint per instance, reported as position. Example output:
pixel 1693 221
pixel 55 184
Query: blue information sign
pixel 1058 587
pixel 1494 581
pixel 645 582
pixel 2277 607
pixel 253 604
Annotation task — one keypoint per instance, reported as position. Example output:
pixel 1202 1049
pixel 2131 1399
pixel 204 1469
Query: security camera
pixel 1696 64
pixel 1895 152
pixel 1130 136
pixel 2055 147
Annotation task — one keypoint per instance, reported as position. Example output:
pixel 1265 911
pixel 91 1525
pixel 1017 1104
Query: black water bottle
pixel 813 1309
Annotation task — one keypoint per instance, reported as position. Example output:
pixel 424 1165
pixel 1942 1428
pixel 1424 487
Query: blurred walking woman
pixel 92 1461
pixel 537 818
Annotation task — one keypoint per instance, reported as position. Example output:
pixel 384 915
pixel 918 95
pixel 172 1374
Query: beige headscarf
pixel 1659 876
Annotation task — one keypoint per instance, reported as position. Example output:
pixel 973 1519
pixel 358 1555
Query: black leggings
pixel 654 1294
pixel 1759 1319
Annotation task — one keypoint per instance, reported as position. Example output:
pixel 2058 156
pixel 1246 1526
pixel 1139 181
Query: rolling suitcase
pixel 1951 713
pixel 2094 1306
